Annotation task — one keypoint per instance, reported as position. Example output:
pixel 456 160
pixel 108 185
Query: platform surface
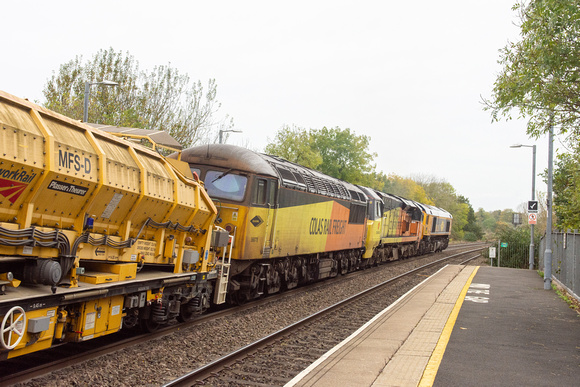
pixel 464 326
pixel 517 335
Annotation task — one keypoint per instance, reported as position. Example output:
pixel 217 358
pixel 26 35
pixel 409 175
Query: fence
pixel 512 254
pixel 565 259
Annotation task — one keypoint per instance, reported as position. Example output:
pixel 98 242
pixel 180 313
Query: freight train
pixel 98 233
pixel 291 224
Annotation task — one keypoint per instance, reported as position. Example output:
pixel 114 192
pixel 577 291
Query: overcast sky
pixel 408 74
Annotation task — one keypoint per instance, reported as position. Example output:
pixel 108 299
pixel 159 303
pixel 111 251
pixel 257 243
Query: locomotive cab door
pixel 267 196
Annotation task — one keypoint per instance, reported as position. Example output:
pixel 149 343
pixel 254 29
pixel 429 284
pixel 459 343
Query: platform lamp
pixel 533 197
pixel 88 92
pixel 220 141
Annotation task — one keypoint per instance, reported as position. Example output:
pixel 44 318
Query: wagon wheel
pixel 14 322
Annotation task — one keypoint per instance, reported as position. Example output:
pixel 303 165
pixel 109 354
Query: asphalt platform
pixel 463 326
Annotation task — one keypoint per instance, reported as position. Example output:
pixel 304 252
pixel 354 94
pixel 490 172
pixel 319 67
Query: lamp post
pixel 88 92
pixel 533 198
pixel 226 131
pixel 548 251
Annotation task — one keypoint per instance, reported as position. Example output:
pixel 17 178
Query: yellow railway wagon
pixel 290 224
pixel 96 233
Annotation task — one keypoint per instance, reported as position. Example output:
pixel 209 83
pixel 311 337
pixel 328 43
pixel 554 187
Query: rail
pixel 194 376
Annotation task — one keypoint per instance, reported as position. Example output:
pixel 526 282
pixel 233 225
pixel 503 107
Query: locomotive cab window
pixel 226 185
pixel 261 192
pixel 264 192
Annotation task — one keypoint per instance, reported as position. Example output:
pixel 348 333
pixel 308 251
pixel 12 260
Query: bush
pixel 470 237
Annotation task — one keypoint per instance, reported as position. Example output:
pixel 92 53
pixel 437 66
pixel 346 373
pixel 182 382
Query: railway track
pixel 277 358
pixel 18 371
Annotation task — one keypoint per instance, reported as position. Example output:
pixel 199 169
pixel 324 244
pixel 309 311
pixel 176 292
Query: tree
pixel 541 73
pixel 160 99
pixel 472 229
pixel 443 195
pixel 336 152
pixel 345 155
pixel 567 188
pixel 407 188
pixel 296 145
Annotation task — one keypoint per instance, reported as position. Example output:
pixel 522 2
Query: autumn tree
pixel 407 188
pixel 158 99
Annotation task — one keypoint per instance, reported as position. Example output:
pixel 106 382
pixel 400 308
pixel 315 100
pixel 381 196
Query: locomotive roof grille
pixel 306 181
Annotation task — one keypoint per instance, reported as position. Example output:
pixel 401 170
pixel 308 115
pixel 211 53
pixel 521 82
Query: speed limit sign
pixel 532 218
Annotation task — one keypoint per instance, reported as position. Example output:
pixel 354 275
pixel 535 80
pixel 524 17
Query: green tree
pixel 160 99
pixel 336 152
pixel 541 72
pixel 472 229
pixel 443 195
pixel 567 188
pixel 345 155
pixel 296 145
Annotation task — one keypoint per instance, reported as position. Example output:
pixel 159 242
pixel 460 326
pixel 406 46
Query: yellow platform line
pixel 435 360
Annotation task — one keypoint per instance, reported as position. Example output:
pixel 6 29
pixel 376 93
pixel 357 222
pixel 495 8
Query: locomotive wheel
pixel 239 298
pixel 273 280
pixel 292 280
pixel 148 325
pixel 343 265
pixel 15 327
pixel 185 313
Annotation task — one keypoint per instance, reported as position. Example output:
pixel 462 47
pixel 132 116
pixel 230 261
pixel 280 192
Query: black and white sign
pixel 532 206
pixel 68 188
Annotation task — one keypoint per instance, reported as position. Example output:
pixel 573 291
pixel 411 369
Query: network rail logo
pixel 14 182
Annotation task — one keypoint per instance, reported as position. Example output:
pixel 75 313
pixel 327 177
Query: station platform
pixel 463 326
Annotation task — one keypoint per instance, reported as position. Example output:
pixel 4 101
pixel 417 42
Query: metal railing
pixel 511 254
pixel 565 260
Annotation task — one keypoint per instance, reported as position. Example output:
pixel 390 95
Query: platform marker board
pixel 532 206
